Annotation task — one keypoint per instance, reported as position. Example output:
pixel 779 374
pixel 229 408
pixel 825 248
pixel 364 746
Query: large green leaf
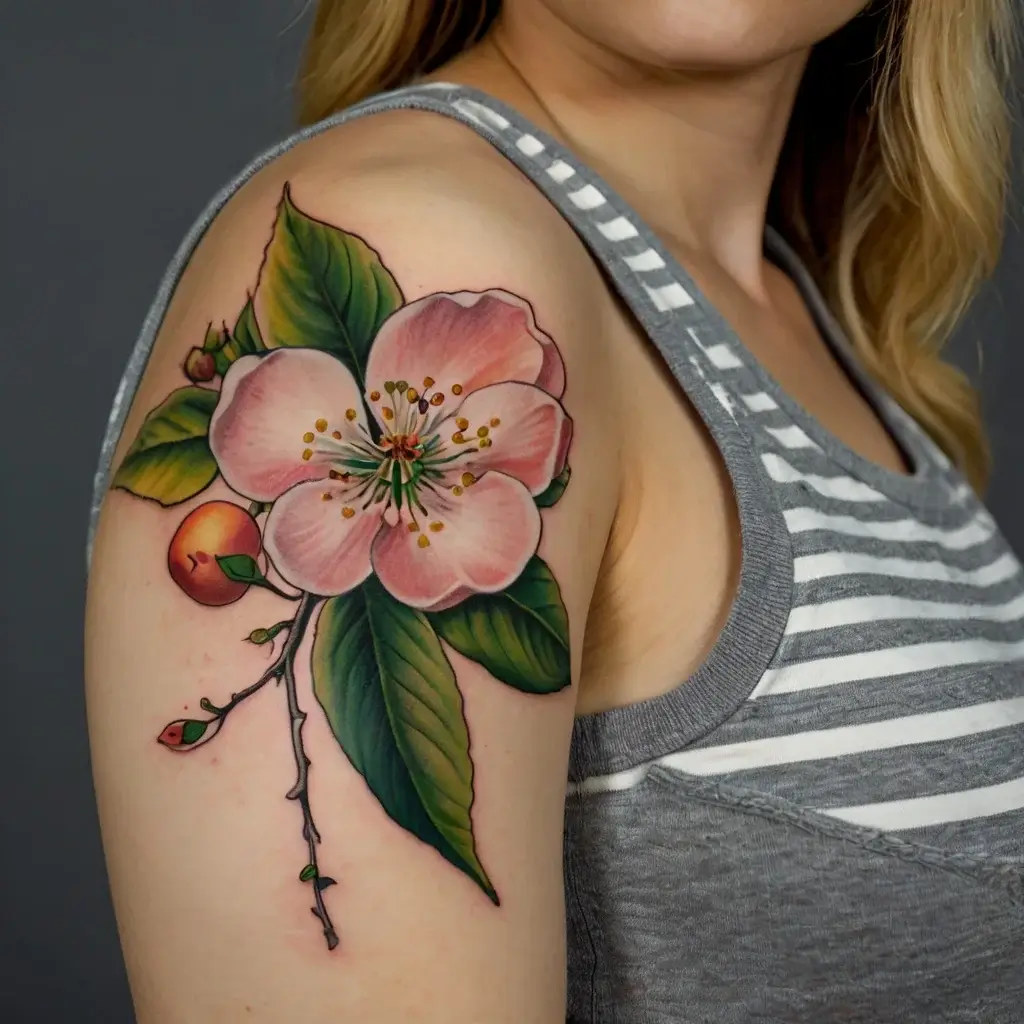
pixel 521 636
pixel 391 698
pixel 170 459
pixel 321 287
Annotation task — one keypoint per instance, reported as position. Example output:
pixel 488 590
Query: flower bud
pixel 188 733
pixel 200 366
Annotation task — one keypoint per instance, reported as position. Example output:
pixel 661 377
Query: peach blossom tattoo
pixel 396 459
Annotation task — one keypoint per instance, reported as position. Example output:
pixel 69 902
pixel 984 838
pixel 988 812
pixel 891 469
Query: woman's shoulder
pixel 419 188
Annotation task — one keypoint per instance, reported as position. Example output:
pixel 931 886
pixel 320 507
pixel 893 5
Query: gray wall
pixel 117 121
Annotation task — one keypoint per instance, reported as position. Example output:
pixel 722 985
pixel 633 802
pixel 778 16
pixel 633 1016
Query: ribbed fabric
pixel 825 822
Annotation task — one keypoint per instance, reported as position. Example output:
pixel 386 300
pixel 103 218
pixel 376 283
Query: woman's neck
pixel 693 152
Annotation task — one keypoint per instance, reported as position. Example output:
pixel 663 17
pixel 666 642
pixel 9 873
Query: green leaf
pixel 308 872
pixel 246 333
pixel 227 346
pixel 241 568
pixel 390 695
pixel 521 636
pixel 170 459
pixel 191 731
pixel 321 287
pixel 554 490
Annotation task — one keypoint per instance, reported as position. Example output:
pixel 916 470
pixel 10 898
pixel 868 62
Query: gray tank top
pixel 825 822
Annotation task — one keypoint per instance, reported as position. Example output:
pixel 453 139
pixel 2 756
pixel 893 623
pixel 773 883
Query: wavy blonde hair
pixel 892 182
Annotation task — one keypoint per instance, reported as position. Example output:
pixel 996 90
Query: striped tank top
pixel 825 822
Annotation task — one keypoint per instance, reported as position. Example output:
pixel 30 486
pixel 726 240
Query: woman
pixel 492 416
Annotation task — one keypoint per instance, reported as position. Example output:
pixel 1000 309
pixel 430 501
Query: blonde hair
pixel 892 182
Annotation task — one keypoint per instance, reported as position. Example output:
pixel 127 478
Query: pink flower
pixel 438 500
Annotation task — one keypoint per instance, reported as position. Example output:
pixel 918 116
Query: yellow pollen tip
pixel 336 434
pixel 414 527
pixel 428 382
pixel 482 431
pixel 412 394
pixel 326 496
pixel 374 396
pixel 321 425
pixel 423 540
pixel 335 475
pixel 307 454
pixel 437 527
pixel 308 437
pixel 350 414
pixel 456 389
pixel 485 442
pixel 348 512
pixel 461 422
pixel 401 386
pixel 457 437
pixel 387 413
pixel 495 422
pixel 436 398
pixel 456 490
pixel 468 479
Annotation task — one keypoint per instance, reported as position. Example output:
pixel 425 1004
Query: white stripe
pixel 617 230
pixel 891 661
pixel 845 488
pixel 646 260
pixel 530 145
pixel 722 357
pixel 484 115
pixel 850 610
pixel 791 437
pixel 817 744
pixel 560 171
pixel 846 563
pixel 760 401
pixel 723 397
pixel 668 296
pixel 930 727
pixel 587 198
pixel 922 811
pixel 609 783
pixel 977 531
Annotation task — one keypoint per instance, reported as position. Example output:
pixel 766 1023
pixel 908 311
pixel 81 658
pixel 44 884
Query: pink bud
pixel 188 733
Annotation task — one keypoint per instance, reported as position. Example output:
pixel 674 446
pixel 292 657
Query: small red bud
pixel 200 366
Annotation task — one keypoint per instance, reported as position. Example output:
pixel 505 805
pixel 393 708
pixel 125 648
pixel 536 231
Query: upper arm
pixel 382 433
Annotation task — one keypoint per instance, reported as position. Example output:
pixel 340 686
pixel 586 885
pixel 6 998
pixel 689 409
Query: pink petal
pixel 528 430
pixel 313 544
pixel 488 535
pixel 267 404
pixel 470 339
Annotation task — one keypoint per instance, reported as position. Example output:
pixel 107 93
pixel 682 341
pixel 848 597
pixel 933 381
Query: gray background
pixel 118 120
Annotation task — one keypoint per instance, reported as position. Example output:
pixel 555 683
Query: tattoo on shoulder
pixel 387 467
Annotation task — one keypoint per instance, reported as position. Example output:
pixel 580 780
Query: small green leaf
pixel 554 490
pixel 170 459
pixel 191 731
pixel 391 698
pixel 226 346
pixel 241 568
pixel 321 287
pixel 246 332
pixel 521 636
pixel 308 872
